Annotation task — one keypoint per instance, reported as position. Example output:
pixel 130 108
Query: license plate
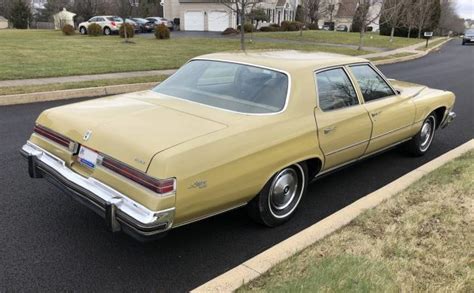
pixel 88 157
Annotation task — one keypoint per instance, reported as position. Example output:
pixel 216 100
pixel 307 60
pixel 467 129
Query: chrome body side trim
pixel 320 174
pixel 347 147
pixel 391 131
pixel 210 215
pixel 117 209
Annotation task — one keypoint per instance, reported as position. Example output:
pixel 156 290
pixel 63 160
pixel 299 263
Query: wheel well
pixel 314 166
pixel 439 115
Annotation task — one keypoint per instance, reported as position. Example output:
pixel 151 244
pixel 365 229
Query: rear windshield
pixel 229 86
pixel 117 19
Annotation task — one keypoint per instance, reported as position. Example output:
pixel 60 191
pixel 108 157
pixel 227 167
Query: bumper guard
pixel 120 212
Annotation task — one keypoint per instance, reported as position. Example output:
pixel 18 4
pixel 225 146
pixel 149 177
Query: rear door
pixel 344 126
pixel 392 115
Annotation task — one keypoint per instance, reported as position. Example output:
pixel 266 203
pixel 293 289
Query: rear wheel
pixel 421 142
pixel 280 196
pixel 107 31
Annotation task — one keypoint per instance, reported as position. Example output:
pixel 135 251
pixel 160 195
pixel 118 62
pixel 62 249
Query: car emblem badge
pixel 87 135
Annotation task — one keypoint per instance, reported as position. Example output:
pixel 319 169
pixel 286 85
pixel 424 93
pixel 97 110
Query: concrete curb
pixel 74 93
pixel 256 266
pixel 411 57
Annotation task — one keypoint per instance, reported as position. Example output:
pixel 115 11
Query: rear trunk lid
pixel 127 129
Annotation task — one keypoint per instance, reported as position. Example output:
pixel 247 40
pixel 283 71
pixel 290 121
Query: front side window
pixel 372 85
pixel 335 90
pixel 230 86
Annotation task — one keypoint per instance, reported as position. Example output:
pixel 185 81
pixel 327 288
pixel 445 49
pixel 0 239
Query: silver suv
pixel 109 24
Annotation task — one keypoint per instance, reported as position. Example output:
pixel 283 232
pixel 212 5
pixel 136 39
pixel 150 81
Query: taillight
pixel 160 186
pixel 113 23
pixel 51 135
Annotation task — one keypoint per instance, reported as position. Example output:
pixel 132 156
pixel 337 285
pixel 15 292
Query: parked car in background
pixel 468 36
pixel 328 26
pixel 110 24
pixel 134 24
pixel 342 28
pixel 160 20
pixel 145 26
pixel 228 130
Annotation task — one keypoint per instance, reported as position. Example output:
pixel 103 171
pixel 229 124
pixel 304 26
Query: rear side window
pixel 335 90
pixel 372 85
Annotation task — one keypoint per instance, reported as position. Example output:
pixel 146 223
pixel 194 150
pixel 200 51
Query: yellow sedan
pixel 228 130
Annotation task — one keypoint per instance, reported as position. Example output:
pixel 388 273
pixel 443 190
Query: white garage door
pixel 194 21
pixel 218 21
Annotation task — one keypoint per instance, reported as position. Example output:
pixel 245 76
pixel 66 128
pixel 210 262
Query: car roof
pixel 285 60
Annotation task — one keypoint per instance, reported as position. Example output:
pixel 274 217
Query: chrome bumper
pixel 449 117
pixel 120 212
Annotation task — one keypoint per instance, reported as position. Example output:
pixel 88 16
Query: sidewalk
pixel 79 78
pixel 414 49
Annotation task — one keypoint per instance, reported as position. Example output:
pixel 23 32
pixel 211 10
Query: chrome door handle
pixel 329 129
pixel 374 114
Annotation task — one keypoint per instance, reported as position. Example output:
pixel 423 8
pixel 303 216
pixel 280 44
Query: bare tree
pixel 426 11
pixel 240 7
pixel 449 19
pixel 312 9
pixel 393 11
pixel 366 13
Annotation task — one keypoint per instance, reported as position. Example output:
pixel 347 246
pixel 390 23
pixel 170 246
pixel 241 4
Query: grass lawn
pixel 42 53
pixel 76 85
pixel 433 43
pixel 418 241
pixel 370 40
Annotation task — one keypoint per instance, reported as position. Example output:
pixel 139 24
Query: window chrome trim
pixel 343 67
pixel 379 73
pixel 288 93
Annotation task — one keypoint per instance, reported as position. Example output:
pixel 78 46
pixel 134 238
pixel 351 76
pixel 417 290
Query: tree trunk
pixel 392 33
pixel 361 37
pixel 242 22
pixel 409 31
pixel 420 27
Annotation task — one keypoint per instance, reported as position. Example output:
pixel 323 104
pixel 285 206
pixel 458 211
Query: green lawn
pixel 370 40
pixel 421 240
pixel 14 90
pixel 41 53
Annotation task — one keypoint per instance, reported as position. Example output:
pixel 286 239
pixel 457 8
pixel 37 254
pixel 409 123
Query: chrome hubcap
pixel 284 189
pixel 426 134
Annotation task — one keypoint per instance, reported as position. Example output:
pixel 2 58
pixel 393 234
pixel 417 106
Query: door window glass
pixel 372 85
pixel 335 90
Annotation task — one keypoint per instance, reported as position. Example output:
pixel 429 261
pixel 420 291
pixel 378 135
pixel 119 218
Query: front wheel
pixel 421 142
pixel 83 30
pixel 280 196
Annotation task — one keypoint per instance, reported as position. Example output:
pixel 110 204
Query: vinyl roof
pixel 289 60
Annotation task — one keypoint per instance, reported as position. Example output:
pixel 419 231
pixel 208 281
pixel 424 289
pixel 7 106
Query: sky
pixel 465 8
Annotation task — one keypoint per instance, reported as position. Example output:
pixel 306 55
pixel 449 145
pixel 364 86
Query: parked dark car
pixel 145 26
pixel 342 28
pixel 328 26
pixel 468 37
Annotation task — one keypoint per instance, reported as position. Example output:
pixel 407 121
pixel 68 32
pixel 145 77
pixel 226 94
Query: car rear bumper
pixel 448 118
pixel 119 211
pixel 468 40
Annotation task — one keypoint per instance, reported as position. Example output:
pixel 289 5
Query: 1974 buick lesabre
pixel 228 130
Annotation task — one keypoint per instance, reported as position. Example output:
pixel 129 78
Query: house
pixel 3 22
pixel 213 15
pixel 344 10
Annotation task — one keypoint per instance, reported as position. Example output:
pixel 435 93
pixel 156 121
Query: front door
pixel 344 126
pixel 392 115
